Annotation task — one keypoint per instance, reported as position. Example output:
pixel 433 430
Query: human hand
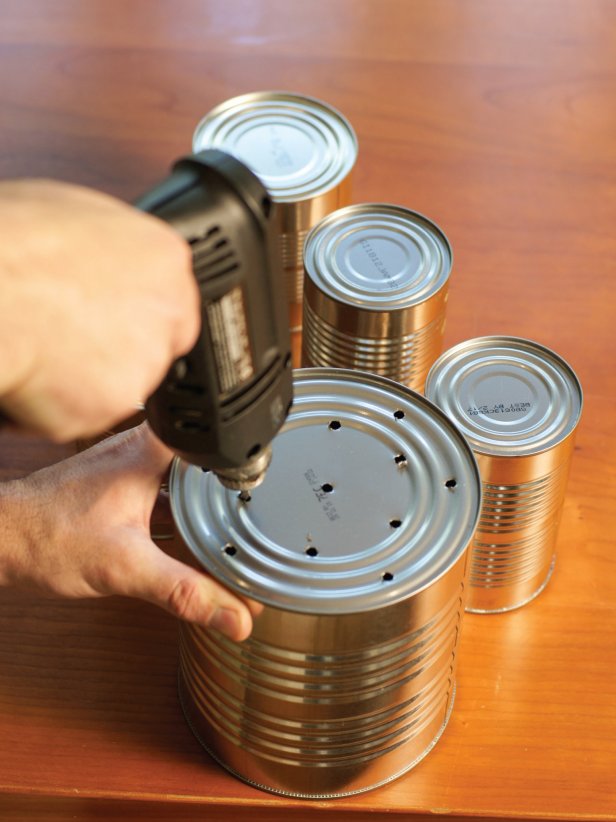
pixel 97 301
pixel 81 528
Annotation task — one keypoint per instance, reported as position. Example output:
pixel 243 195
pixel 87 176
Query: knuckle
pixel 184 600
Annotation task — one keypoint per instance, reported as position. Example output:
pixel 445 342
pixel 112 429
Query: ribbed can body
pixel 375 294
pixel 518 403
pixel 404 357
pixel 295 221
pixel 514 548
pixel 356 545
pixel 323 706
pixel 303 150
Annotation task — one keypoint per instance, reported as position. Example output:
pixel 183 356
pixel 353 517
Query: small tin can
pixel 302 149
pixel 356 544
pixel 375 297
pixel 518 404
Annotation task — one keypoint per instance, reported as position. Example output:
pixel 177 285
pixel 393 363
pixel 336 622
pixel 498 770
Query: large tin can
pixel 356 544
pixel 302 149
pixel 376 281
pixel 518 404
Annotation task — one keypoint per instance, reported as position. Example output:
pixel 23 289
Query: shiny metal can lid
pixel 378 256
pixel 299 147
pixel 509 396
pixel 372 495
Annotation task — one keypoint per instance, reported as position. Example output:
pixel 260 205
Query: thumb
pixel 181 590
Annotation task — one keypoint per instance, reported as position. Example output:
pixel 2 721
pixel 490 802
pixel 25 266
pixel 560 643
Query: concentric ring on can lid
pixel 372 495
pixel 298 146
pixel 509 396
pixel 378 256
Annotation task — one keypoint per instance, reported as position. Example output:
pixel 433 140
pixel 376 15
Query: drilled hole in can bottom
pixel 387 577
pixel 400 459
pixel 451 483
pixel 335 425
pixel 327 487
pixel 399 415
pixel 395 523
pixel 230 550
pixel 312 551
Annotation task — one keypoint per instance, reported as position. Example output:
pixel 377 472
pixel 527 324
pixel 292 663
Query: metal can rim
pixel 356 582
pixel 330 278
pixel 343 159
pixel 513 449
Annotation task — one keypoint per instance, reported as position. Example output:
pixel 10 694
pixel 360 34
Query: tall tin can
pixel 375 296
pixel 518 404
pixel 303 150
pixel 356 544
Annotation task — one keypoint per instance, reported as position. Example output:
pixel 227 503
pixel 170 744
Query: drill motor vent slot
pixel 213 255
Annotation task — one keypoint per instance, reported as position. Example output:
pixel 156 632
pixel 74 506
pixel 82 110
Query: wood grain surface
pixel 498 121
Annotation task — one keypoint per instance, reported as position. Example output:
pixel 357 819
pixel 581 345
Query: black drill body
pixel 221 405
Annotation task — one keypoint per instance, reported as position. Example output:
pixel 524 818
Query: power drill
pixel 221 405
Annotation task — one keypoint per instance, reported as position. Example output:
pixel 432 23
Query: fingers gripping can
pixel 376 284
pixel 161 526
pixel 356 545
pixel 518 404
pixel 302 149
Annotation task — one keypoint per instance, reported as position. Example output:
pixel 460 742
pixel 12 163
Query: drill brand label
pixel 230 340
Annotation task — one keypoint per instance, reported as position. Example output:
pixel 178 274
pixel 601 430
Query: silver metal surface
pixel 299 147
pixel 376 255
pixel 187 706
pixel 303 150
pixel 356 543
pixel 368 474
pixel 376 280
pixel 511 397
pixel 518 404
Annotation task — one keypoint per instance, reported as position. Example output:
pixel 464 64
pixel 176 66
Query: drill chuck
pixel 248 476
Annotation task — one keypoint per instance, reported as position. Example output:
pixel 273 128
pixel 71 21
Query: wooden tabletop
pixel 496 119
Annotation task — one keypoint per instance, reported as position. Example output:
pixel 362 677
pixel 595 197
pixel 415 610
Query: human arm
pixel 97 299
pixel 81 528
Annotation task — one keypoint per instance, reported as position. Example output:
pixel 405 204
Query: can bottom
pixel 519 604
pixel 184 704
